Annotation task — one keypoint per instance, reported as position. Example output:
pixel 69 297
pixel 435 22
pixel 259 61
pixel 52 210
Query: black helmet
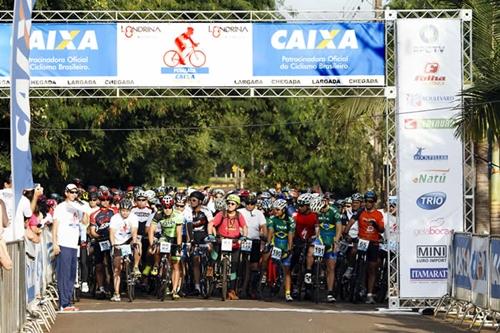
pixel 198 195
pixel 126 204
pixel 371 195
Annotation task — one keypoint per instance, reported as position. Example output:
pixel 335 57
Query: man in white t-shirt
pixel 68 216
pixel 123 228
pixel 256 223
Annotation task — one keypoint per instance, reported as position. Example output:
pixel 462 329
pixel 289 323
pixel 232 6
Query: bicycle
pixel 275 277
pixel 318 254
pixel 358 280
pixel 196 58
pixel 128 269
pixel 243 272
pixel 223 265
pixel 164 277
pixel 341 283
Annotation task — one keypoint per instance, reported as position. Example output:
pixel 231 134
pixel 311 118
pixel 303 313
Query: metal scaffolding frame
pixel 388 92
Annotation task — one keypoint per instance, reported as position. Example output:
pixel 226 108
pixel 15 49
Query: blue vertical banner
pixel 494 263
pixel 462 250
pixel 20 118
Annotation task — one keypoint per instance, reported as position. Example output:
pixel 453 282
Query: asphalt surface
pixel 203 316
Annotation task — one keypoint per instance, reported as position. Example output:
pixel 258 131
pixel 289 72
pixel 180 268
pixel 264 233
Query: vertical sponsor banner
pixel 20 117
pixel 479 270
pixel 429 78
pixel 462 248
pixel 494 299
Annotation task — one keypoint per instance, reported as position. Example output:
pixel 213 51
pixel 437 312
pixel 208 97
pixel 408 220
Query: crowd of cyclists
pixel 272 244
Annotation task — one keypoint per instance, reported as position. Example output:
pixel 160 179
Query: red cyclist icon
pixel 173 58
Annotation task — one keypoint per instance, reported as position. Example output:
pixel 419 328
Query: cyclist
pixel 371 228
pixel 256 223
pixel 281 229
pixel 330 230
pixel 230 224
pixel 143 213
pixel 170 221
pixel 123 228
pixel 181 40
pixel 352 213
pixel 99 231
pixel 196 219
pixel 306 229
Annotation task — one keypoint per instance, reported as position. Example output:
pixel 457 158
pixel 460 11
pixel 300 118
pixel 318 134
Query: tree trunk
pixel 482 195
pixel 495 188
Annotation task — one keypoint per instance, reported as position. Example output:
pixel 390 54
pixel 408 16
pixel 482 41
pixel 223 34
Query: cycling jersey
pixel 168 224
pixel 366 229
pixel 123 227
pixel 304 225
pixel 281 227
pixel 353 232
pixel 142 217
pixel 100 220
pixel 328 225
pixel 229 227
pixel 199 220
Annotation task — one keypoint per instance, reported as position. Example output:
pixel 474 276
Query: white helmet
pixel 317 203
pixel 304 199
pixel 279 204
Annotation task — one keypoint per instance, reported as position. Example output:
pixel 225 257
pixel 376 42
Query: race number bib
pixel 246 246
pixel 227 245
pixel 276 253
pixel 165 247
pixel 125 250
pixel 319 250
pixel 105 245
pixel 363 245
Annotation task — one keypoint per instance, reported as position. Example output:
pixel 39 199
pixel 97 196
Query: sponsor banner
pixel 349 54
pixel 479 270
pixel 430 172
pixel 20 113
pixel 462 248
pixel 494 264
pixel 64 55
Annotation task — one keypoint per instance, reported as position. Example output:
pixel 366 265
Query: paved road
pixel 204 316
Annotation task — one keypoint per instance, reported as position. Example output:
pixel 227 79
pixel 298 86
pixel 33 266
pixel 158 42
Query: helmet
pixel 233 197
pixel 198 195
pixel 272 192
pixel 244 194
pixel 357 197
pixel 155 202
pixel 339 203
pixel 160 191
pixel 56 197
pixel 219 204
pixel 150 194
pixel 93 196
pixel 251 199
pixel 267 204
pixel 180 198
pixel 393 201
pixel 317 203
pixel 348 201
pixel 371 195
pixel 91 188
pixel 51 203
pixel 167 201
pixel 279 204
pixel 265 195
pixel 140 194
pixel 118 196
pixel 136 190
pixel 126 204
pixel 304 199
pixel 218 191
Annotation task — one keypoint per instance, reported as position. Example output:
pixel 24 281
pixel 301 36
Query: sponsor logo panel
pixel 431 200
pixel 428 274
pixel 420 156
pixel 431 176
pixel 431 253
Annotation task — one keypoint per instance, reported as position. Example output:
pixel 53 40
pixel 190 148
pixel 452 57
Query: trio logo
pixel 314 39
pixel 431 200
pixel 64 40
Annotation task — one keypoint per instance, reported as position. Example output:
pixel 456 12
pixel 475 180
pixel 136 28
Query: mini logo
pixel 430 77
pixel 429 34
pixel 432 253
pixel 421 157
pixel 428 123
pixel 431 176
pixel 431 200
pixel 429 274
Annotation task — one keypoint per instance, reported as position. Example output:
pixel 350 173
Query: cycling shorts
pixel 330 255
pixel 372 252
pixel 98 254
pixel 255 253
pixel 287 262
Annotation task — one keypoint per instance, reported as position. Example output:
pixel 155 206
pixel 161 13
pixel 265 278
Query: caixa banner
pixel 198 55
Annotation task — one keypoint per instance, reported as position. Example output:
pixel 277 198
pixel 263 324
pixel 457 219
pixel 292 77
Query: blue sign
pixel 495 268
pixel 428 274
pixel 20 115
pixel 431 200
pixel 462 248
pixel 318 49
pixel 67 50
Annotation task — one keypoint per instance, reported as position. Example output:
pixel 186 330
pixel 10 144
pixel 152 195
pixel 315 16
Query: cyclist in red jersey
pixel 306 227
pixel 181 40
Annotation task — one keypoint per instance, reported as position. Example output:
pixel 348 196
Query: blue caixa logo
pixel 431 200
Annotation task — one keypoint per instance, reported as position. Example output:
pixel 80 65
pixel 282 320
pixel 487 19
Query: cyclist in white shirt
pixel 123 230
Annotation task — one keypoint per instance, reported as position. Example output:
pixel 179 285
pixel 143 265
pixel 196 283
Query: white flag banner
pixel 430 175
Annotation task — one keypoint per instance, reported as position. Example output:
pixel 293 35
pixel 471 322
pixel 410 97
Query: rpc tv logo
pixel 429 40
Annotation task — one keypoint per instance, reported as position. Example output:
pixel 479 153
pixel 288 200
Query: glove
pixel 210 238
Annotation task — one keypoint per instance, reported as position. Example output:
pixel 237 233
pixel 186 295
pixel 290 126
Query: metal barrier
pixel 474 287
pixel 28 295
pixel 13 291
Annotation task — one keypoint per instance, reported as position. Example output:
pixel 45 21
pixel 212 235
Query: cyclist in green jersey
pixel 330 230
pixel 170 222
pixel 281 229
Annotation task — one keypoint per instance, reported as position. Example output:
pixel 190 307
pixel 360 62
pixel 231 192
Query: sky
pixel 331 5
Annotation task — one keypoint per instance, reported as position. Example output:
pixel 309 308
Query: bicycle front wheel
pixel 130 281
pixel 197 58
pixel 225 281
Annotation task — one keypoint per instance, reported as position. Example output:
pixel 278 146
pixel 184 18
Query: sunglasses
pixel 140 200
pixel 348 206
pixel 93 199
pixel 231 204
pixel 73 192
pixel 180 206
pixel 251 203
